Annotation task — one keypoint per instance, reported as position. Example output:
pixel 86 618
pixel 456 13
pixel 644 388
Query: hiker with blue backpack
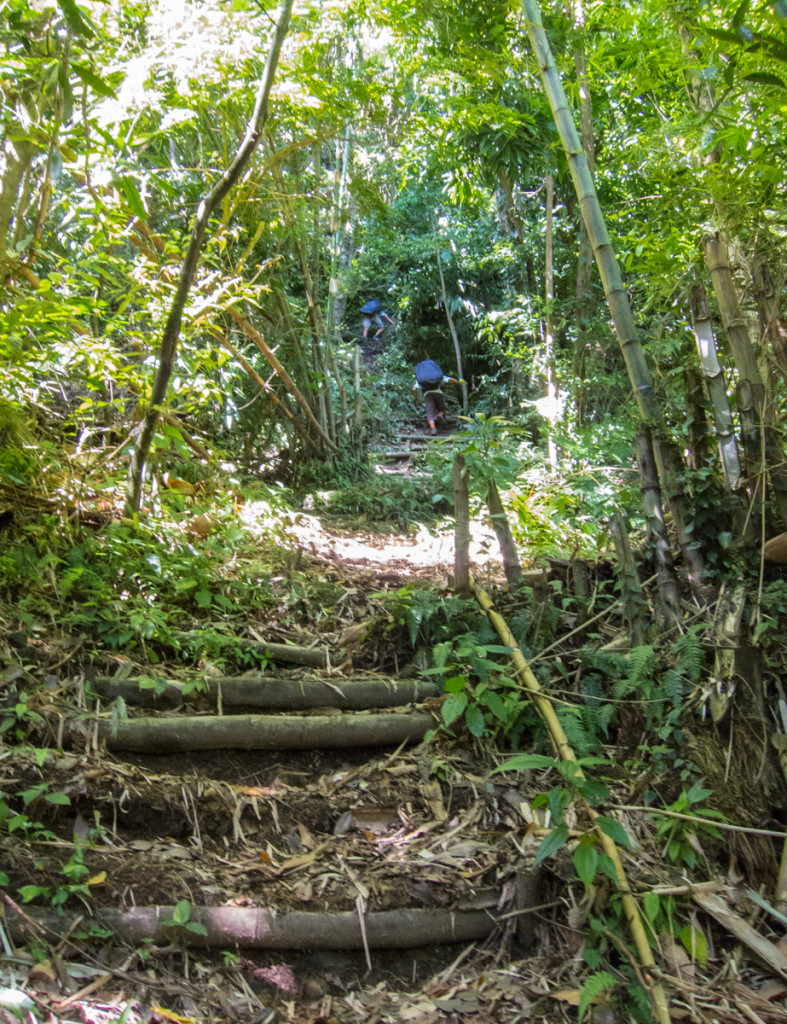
pixel 373 313
pixel 429 379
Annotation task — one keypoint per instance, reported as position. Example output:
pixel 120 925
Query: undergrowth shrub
pixel 381 499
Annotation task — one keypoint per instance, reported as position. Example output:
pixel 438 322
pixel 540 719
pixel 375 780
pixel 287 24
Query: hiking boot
pixel 433 431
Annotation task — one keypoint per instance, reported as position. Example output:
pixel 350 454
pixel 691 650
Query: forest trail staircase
pixel 291 808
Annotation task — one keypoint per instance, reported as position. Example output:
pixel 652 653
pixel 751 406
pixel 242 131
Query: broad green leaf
pixel 695 944
pixel 474 718
pixel 586 860
pixel 496 705
pixel 552 843
pixel 455 684
pixel 592 790
pixel 612 828
pixel 182 912
pixel 197 927
pixel 57 798
pixel 454 707
pixel 525 762
pixel 652 905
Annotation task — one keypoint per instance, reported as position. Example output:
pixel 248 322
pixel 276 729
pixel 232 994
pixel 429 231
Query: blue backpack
pixel 428 374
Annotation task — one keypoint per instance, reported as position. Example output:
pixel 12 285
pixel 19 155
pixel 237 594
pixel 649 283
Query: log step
pixel 253 732
pixel 269 692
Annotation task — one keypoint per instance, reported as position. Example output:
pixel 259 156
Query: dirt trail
pixel 365 862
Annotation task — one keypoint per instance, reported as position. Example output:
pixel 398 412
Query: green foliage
pixel 394 501
pixel 592 987
pixel 681 840
pixel 430 618
pixel 16 721
pixel 481 693
pixel 181 919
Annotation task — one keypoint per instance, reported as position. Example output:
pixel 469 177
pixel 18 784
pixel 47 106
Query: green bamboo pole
pixel 614 289
pixel 563 747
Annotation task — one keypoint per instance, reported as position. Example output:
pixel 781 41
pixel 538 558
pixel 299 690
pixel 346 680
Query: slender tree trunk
pixel 462 519
pixel 549 341
pixel 169 341
pixel 616 293
pixel 450 319
pixel 584 250
pixel 16 157
pixel 772 323
pixel 301 429
pixel 497 513
pixel 697 427
pixel 631 596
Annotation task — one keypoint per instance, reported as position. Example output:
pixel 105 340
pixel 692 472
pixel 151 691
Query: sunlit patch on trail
pixel 421 548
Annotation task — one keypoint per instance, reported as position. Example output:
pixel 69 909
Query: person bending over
pixel 429 379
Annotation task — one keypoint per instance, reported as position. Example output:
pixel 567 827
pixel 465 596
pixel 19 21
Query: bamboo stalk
pixel 611 279
pixel 546 710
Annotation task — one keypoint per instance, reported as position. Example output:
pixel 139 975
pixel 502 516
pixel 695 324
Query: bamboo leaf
pixel 765 78
pixel 75 18
pixel 96 83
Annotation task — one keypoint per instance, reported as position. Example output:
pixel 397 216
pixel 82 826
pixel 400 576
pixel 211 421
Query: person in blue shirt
pixel 377 320
pixel 434 401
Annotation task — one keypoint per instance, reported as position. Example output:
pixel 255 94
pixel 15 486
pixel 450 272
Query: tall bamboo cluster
pixel 758 474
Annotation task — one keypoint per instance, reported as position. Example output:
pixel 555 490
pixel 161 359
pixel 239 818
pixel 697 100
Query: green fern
pixel 673 685
pixel 689 654
pixel 597 983
pixel 640 663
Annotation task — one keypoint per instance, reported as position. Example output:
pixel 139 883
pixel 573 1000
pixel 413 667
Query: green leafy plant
pixel 181 918
pixel 14 722
pixel 479 691
pixel 681 839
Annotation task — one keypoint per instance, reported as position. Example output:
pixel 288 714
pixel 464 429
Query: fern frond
pixel 689 654
pixel 640 663
pixel 673 685
pixel 597 983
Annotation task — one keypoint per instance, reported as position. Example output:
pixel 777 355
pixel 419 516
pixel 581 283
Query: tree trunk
pixel 497 513
pixel 16 156
pixel 773 326
pixel 259 732
pixel 549 341
pixel 631 596
pixel 584 250
pixel 451 327
pixel 169 340
pixel 462 519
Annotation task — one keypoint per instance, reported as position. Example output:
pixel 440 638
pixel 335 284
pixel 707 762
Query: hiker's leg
pixel 431 409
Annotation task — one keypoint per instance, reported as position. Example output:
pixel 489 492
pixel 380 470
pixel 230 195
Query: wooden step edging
pixel 269 692
pixel 256 928
pixel 252 732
